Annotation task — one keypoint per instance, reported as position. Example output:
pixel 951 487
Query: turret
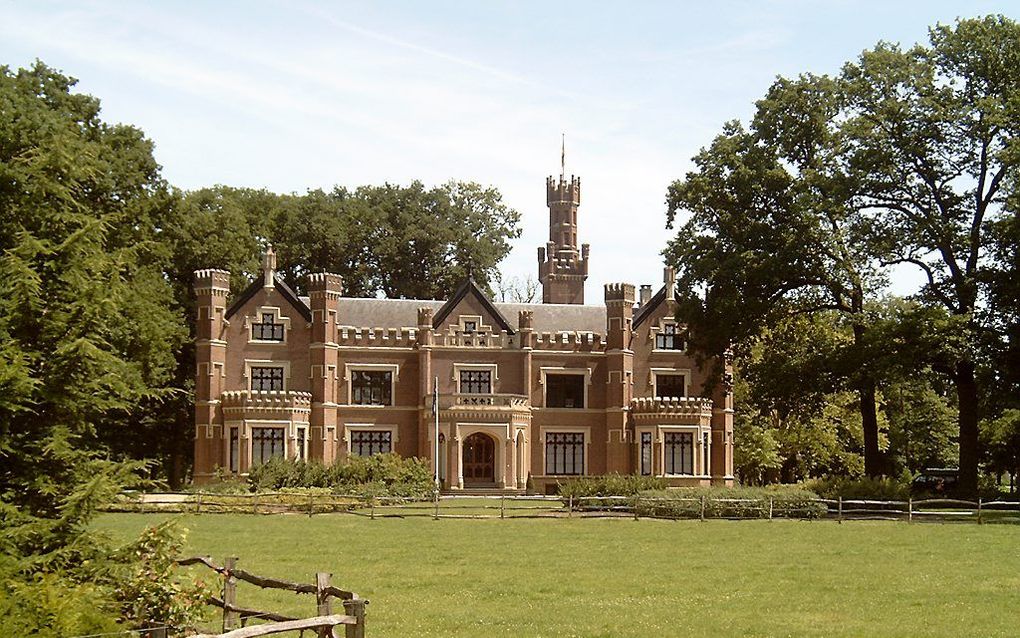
pixel 211 290
pixel 563 269
pixel 324 290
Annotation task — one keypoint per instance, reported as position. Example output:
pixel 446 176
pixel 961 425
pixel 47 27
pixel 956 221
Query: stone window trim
pixel 464 321
pixel 491 367
pixel 655 373
pixel 244 429
pixel 266 363
pixel 655 329
pixel 549 429
pixel 370 427
pixel 392 368
pixel 544 371
pixel 256 317
pixel 699 454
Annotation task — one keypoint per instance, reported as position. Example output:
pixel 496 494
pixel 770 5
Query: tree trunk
pixel 967 396
pixel 873 462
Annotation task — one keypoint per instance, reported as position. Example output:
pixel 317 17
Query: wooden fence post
pixel 502 505
pixel 324 606
pixel 570 506
pixel 435 515
pixel 636 500
pixel 770 508
pixel 371 503
pixel 840 516
pixel 979 511
pixel 230 618
pixel 702 507
pixel 355 608
pixel 255 503
pixel 198 503
pixel 910 510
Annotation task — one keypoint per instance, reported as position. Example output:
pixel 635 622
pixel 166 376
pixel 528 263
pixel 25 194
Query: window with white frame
pixel 564 453
pixel 646 453
pixel 670 385
pixel 267 329
pixel 371 387
pixel 369 442
pixel 302 444
pixel 267 443
pixel 476 381
pixel 564 390
pixel 678 452
pixel 706 461
pixel 266 378
pixel 669 337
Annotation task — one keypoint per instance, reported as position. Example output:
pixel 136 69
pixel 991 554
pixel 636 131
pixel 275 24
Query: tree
pixel 774 233
pixel 932 133
pixel 516 289
pixel 905 158
pixel 1001 439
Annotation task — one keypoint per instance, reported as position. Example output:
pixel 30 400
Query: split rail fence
pixel 506 506
pixel 236 617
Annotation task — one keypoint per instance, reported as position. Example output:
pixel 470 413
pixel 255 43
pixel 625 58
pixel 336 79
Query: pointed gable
pixel 646 310
pixel 285 291
pixel 470 298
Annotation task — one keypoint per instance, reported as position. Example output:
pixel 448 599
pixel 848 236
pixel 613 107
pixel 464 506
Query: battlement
pixel 525 319
pixel 378 337
pixel 254 403
pixel 620 292
pixel 212 278
pixel 683 410
pixel 325 282
pixel 560 191
pixel 571 341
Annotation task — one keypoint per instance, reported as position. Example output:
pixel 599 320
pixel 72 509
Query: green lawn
pixel 560 577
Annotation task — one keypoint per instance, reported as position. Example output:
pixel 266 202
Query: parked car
pixel 937 480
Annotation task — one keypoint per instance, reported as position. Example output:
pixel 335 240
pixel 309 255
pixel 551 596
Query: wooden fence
pixel 236 617
pixel 506 506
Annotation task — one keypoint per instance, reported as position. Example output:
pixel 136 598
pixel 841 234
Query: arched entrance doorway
pixel 479 460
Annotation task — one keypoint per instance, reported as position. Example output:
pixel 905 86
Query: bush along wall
pixel 377 475
pixel 731 502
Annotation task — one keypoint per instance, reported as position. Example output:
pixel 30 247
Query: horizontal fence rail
pixel 513 505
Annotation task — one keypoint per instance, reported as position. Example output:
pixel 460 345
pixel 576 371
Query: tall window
pixel 646 453
pixel 678 449
pixel 476 381
pixel 234 449
pixel 266 443
pixel 369 442
pixel 371 387
pixel 264 378
pixel 267 329
pixel 706 461
pixel 669 385
pixel 302 444
pixel 564 390
pixel 564 453
pixel 669 338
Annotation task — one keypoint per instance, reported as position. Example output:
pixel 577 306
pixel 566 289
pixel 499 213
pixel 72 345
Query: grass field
pixel 570 577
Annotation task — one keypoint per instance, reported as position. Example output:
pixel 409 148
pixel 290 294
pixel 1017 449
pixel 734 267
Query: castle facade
pixel 529 395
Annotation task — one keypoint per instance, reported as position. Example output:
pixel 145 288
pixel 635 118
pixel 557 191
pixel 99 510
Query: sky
pixel 299 95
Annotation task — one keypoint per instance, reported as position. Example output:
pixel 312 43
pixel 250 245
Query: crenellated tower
pixel 562 268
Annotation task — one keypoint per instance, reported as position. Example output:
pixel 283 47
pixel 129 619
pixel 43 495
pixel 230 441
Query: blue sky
pixel 296 95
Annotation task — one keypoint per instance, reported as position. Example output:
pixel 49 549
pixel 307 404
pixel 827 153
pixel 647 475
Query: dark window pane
pixel 476 381
pixel 669 385
pixel 678 450
pixel 265 378
pixel 371 387
pixel 564 453
pixel 234 449
pixel 265 444
pixel 646 453
pixel 369 442
pixel 564 391
pixel 267 329
pixel 669 338
pixel 706 461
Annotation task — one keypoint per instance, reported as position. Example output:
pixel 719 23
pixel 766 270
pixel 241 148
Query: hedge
pixel 729 502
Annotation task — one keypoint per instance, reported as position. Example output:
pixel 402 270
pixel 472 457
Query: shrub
pixel 377 475
pixel 864 488
pixel 610 485
pixel 730 502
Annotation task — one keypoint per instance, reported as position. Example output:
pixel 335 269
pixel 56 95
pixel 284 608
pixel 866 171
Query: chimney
pixel 646 294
